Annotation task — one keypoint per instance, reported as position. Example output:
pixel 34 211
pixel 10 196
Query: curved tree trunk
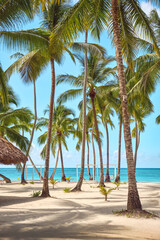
pixel 52 176
pixel 7 180
pixel 133 196
pixel 63 174
pixel 99 143
pixel 23 168
pixel 80 181
pixel 45 190
pixel 107 178
pixel 22 175
pixel 117 179
pixel 94 154
pixel 89 174
pixel 32 134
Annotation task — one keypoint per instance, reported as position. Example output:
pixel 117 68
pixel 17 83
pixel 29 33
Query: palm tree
pixel 140 106
pixel 85 23
pixel 97 74
pixel 106 112
pixel 29 68
pixel 90 130
pixel 62 126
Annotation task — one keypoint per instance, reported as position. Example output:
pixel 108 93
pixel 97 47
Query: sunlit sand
pixel 82 215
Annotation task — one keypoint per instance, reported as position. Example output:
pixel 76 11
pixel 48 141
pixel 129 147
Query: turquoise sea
pixel 142 174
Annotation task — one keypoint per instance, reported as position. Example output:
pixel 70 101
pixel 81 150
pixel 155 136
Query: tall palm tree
pixel 29 68
pixel 106 112
pixel 62 127
pixel 90 130
pixel 98 73
pixel 113 99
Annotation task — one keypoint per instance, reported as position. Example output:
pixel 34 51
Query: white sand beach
pixel 70 216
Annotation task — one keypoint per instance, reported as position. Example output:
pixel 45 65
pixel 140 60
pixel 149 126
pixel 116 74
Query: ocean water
pixel 142 174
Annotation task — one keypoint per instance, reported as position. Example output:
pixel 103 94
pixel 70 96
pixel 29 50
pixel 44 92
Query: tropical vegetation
pixel 120 85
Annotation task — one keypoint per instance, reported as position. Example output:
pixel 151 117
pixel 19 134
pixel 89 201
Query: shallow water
pixel 142 174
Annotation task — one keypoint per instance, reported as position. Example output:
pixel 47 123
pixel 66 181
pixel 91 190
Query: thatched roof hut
pixel 9 154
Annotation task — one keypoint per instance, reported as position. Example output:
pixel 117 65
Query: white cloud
pixel 148 7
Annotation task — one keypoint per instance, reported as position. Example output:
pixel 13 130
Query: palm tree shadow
pixel 10 200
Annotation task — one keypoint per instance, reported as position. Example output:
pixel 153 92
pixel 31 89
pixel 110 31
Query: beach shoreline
pixel 80 215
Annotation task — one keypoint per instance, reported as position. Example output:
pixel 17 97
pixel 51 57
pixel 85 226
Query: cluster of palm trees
pixel 123 89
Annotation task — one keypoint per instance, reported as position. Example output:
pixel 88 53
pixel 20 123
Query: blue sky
pixel 149 150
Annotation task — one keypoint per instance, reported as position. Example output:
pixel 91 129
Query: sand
pixel 82 215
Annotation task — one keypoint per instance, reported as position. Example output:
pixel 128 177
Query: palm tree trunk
pixel 52 176
pixel 62 166
pixel 80 181
pixel 7 180
pixel 31 138
pixel 107 178
pixel 117 179
pixel 23 168
pixel 22 175
pixel 45 190
pixel 99 143
pixel 40 176
pixel 89 174
pixel 94 154
pixel 137 146
pixel 133 202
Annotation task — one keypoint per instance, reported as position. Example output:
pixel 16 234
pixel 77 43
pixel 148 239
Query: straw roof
pixel 9 154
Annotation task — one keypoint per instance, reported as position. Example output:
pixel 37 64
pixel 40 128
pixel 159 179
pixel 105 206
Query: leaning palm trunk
pixel 7 180
pixel 99 142
pixel 31 138
pixel 107 178
pixel 45 190
pixel 133 196
pixel 94 154
pixel 117 178
pixel 52 176
pixel 63 174
pixel 80 181
pixel 89 174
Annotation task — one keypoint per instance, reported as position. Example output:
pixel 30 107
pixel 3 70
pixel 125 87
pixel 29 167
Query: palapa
pixel 9 154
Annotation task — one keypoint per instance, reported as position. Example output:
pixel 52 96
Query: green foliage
pixel 62 127
pixel 14 12
pixel 68 179
pixel 158 120
pixel 31 182
pixel 105 192
pixel 67 190
pixel 36 194
pixel 53 182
